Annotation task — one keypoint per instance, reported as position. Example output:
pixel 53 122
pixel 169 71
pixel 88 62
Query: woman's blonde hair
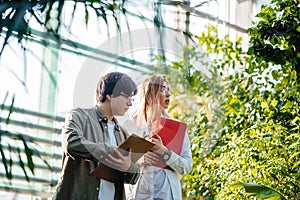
pixel 149 108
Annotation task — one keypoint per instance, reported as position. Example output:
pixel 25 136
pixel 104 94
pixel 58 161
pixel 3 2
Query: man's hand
pixel 118 160
pixel 150 158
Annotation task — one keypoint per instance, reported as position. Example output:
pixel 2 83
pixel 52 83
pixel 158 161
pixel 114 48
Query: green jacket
pixel 84 142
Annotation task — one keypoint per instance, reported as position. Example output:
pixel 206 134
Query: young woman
pixel 156 182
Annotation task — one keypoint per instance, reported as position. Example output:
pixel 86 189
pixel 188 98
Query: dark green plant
pixel 276 36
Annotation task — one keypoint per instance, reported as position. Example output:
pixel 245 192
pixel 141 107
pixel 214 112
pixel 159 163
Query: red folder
pixel 172 133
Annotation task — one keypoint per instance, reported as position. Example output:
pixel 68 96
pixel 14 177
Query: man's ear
pixel 108 97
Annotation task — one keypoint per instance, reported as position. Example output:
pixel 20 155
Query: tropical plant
pixel 12 154
pixel 17 17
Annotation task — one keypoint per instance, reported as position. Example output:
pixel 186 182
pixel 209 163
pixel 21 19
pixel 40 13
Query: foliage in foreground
pixel 17 17
pixel 16 149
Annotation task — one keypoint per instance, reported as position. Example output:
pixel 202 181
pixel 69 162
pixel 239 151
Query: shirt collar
pixel 103 119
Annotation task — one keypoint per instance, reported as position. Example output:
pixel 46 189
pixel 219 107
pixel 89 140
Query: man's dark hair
pixel 114 84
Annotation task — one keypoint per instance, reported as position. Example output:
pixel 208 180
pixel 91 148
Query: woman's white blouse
pixel 156 182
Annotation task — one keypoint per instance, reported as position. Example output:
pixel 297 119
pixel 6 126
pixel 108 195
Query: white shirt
pixel 107 189
pixel 155 182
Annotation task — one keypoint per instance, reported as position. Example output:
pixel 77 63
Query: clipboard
pixel 139 146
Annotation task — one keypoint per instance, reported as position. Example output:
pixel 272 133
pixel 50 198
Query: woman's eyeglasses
pixel 165 90
pixel 128 98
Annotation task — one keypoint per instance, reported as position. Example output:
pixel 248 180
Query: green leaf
pixel 4 161
pixel 296 165
pixel 295 155
pixel 288 105
pixel 296 119
pixel 28 153
pixel 22 165
pixel 278 87
pixel 264 105
pixel 86 16
pixel 10 176
pixel 294 74
pixel 274 103
pixel 11 108
pixel 260 191
pixel 250 51
pixel 275 74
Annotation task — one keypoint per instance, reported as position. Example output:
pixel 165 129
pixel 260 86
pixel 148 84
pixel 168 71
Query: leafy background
pixel 246 146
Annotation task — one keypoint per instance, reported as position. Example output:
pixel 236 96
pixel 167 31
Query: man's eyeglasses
pixel 164 90
pixel 128 98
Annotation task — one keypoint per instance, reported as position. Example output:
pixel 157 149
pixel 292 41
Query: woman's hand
pixel 159 147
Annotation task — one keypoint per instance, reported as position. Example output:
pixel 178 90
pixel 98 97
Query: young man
pixel 91 136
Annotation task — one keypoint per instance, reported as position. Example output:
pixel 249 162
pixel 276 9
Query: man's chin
pixel 120 114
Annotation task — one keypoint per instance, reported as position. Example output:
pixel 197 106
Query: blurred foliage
pixel 14 146
pixel 17 17
pixel 248 128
